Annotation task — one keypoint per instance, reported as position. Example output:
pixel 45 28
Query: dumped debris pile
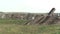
pixel 48 19
pixel 33 18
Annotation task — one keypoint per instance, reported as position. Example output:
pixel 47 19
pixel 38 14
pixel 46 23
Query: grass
pixel 12 26
pixel 12 21
pixel 30 29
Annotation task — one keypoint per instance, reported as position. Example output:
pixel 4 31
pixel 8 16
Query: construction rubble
pixel 33 18
pixel 45 20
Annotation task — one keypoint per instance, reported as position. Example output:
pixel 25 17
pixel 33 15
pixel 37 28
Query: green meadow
pixel 13 26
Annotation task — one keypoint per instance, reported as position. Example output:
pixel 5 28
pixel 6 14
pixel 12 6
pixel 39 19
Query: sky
pixel 32 6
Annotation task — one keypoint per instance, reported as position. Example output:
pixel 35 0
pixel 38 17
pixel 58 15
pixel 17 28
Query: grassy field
pixel 9 26
pixel 30 29
pixel 12 21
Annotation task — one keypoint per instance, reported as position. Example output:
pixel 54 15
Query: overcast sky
pixel 33 6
